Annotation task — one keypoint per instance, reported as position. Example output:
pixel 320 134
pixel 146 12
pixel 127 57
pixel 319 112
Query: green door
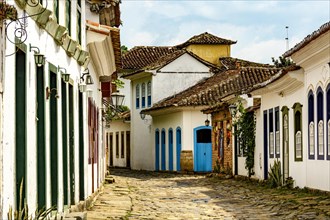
pixel 81 149
pixel 65 142
pixel 41 138
pixel 71 144
pixel 20 114
pixel 53 134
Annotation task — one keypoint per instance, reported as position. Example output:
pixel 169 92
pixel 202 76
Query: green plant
pixel 245 131
pixel 275 175
pixel 216 167
pixel 282 62
pixel 119 84
pixel 23 212
pixel 289 182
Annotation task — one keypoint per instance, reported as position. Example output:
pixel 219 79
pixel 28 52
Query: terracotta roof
pixel 211 90
pixel 323 29
pixel 142 56
pixel 206 38
pixel 234 63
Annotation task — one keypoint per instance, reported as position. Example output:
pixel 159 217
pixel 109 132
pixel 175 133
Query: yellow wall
pixel 210 53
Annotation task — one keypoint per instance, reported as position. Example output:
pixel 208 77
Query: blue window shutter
pixel 311 154
pixel 320 125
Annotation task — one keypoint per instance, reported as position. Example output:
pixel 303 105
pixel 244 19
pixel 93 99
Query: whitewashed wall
pixel 177 76
pixel 55 55
pixel 166 122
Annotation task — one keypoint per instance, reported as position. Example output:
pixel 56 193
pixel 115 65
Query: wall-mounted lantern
pixel 39 58
pixel 207 121
pixel 117 98
pixel 89 79
pixel 65 75
pixel 232 110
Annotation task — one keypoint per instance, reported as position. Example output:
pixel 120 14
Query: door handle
pixel 204 153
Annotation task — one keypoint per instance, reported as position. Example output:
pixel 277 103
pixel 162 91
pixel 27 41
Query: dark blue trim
pixel 149 100
pixel 271 129
pixel 310 119
pixel 328 118
pixel 137 96
pixel 320 105
pixel 277 128
pixel 143 95
pixel 170 149
pixel 157 149
pixel 178 148
pixel 163 151
pixel 265 145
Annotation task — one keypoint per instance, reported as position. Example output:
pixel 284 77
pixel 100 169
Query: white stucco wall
pixel 166 122
pixel 57 56
pixel 177 76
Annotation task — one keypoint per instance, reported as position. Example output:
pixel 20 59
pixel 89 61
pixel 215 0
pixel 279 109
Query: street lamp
pixel 65 75
pixel 117 98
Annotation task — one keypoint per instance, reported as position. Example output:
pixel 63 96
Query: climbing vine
pixel 245 133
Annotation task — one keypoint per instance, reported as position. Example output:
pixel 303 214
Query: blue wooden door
pixel 178 149
pixel 157 150
pixel 170 149
pixel 202 149
pixel 163 150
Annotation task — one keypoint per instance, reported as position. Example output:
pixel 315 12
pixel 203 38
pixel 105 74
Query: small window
pixel 311 139
pixel 298 145
pixel 277 132
pixel 137 95
pixel 122 152
pixel 143 95
pixel 149 93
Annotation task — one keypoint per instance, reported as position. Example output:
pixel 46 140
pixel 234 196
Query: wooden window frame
pixel 297 108
pixel 311 126
pixel 137 96
pixel 271 133
pixel 149 94
pixel 320 123
pixel 277 133
pixel 143 95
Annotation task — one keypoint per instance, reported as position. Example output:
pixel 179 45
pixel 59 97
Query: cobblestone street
pixel 151 195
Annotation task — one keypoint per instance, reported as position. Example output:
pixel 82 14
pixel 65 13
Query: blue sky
pixel 257 26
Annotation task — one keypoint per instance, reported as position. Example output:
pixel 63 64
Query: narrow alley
pixel 152 195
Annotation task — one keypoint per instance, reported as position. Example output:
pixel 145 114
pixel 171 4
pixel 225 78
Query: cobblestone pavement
pixel 152 195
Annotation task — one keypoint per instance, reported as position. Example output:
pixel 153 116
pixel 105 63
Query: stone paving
pixel 152 195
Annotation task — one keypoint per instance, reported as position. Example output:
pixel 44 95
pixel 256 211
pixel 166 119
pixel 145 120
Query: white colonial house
pixel 159 135
pixel 293 122
pixel 51 128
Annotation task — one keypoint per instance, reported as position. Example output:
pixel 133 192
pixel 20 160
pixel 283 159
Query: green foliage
pixel 123 49
pixel 119 84
pixel 246 127
pixel 216 167
pixel 275 175
pixel 282 62
pixel 23 212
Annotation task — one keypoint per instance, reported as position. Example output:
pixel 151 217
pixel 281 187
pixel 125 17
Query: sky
pixel 259 27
